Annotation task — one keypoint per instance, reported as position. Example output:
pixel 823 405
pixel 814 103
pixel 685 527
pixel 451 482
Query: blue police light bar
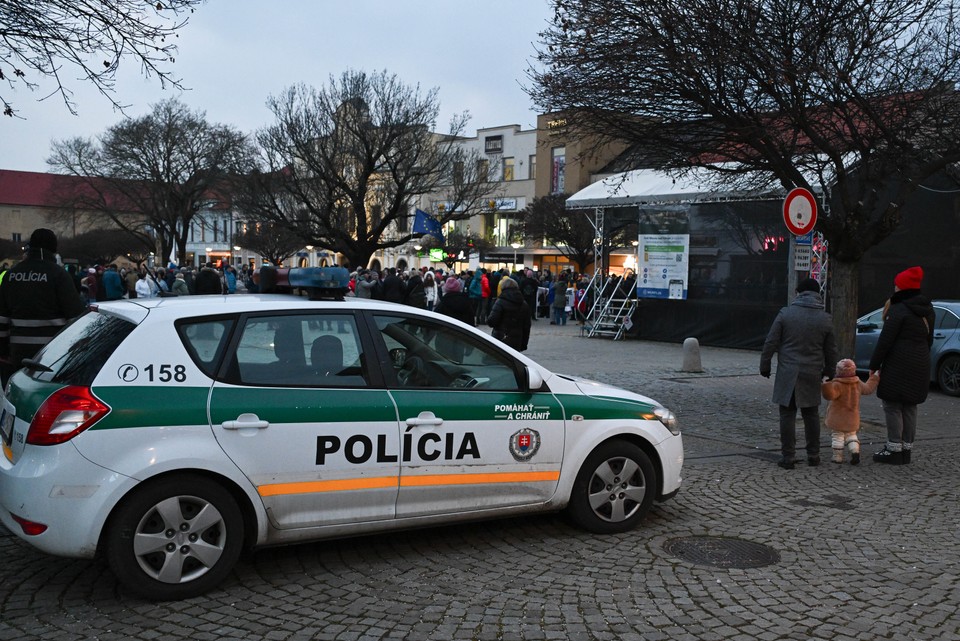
pixel 323 282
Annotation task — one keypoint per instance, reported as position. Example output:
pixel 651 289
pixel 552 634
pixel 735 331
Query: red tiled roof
pixel 34 189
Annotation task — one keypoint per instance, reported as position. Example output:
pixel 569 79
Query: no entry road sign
pixel 800 211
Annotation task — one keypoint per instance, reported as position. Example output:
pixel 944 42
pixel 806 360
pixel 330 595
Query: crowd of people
pixel 503 300
pixel 38 297
pixel 113 282
pixel 542 291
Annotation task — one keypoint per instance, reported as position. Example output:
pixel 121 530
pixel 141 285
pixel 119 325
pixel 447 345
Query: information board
pixel 664 266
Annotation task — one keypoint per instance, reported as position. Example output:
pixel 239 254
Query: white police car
pixel 170 434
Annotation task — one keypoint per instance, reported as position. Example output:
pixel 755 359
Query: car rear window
pixel 206 341
pixel 78 352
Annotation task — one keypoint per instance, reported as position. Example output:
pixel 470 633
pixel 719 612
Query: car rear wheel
pixel 175 538
pixel 614 488
pixel 948 375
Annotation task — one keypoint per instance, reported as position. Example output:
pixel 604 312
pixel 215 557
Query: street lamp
pixel 515 246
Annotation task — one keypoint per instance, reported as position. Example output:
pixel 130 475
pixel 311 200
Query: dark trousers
pixel 788 432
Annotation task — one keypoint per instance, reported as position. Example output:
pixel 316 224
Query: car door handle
pixel 245 421
pixel 425 419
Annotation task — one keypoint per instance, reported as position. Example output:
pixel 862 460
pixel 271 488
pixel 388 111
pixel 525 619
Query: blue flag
pixel 424 223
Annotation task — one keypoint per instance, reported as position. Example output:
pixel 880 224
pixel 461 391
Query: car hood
pixel 596 389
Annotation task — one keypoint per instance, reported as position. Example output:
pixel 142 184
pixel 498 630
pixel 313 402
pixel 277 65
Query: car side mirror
pixel 534 379
pixel 867 327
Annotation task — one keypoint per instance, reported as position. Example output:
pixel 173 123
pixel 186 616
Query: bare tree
pixel 152 175
pixel 570 231
pixel 102 246
pixel 10 250
pixel 272 241
pixel 40 40
pixel 344 164
pixel 850 98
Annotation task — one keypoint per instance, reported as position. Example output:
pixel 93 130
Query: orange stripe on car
pixel 340 485
pixel 478 479
pixel 345 485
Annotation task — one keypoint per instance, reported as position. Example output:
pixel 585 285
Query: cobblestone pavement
pixel 860 553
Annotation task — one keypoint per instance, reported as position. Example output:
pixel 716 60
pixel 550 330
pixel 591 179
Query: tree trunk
pixel 844 283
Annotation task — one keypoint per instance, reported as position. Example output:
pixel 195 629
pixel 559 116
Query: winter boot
pixel 838 455
pixel 854 453
pixel 889 455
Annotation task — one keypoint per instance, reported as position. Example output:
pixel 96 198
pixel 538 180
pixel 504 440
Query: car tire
pixel 614 489
pixel 175 537
pixel 948 375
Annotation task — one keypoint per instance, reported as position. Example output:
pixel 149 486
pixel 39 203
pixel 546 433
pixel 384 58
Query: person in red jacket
pixel 843 412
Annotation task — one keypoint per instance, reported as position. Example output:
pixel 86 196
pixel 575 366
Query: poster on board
pixel 663 253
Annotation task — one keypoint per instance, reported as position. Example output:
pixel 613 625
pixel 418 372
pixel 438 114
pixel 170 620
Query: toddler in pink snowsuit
pixel 843 413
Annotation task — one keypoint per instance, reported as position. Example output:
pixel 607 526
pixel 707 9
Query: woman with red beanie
pixel 902 356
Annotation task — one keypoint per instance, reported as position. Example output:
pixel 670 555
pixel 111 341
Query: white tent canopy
pixel 652 186
pixel 636 187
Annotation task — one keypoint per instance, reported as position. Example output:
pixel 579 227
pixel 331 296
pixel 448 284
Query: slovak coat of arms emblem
pixel 524 444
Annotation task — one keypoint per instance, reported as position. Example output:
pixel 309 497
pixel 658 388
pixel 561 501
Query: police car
pixel 171 434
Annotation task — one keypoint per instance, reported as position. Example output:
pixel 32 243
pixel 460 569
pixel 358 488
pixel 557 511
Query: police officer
pixel 37 298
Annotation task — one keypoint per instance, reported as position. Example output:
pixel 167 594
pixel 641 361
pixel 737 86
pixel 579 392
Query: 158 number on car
pixel 166 373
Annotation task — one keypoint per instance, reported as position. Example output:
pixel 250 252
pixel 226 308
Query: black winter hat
pixel 808 285
pixel 43 239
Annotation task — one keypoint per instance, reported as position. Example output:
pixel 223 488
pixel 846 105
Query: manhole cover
pixel 721 552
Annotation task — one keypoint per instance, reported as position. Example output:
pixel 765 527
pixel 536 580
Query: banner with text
pixel 663 253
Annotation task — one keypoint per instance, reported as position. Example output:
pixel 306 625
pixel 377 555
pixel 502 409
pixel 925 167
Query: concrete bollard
pixel 691 356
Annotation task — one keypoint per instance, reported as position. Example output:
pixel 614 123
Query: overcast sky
pixel 233 54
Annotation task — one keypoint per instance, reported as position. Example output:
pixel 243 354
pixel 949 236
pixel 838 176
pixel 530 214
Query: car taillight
pixel 30 528
pixel 66 413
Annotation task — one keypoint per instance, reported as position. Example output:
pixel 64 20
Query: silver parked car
pixel 944 354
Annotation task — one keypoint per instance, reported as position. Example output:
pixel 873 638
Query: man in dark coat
pixel 529 286
pixel 208 281
pixel 414 294
pixel 392 288
pixel 510 317
pixel 902 355
pixel 802 337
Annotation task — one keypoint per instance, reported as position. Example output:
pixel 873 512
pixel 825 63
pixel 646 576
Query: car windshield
pixel 76 354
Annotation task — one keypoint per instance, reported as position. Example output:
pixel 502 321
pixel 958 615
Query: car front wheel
pixel 614 488
pixel 948 375
pixel 175 538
